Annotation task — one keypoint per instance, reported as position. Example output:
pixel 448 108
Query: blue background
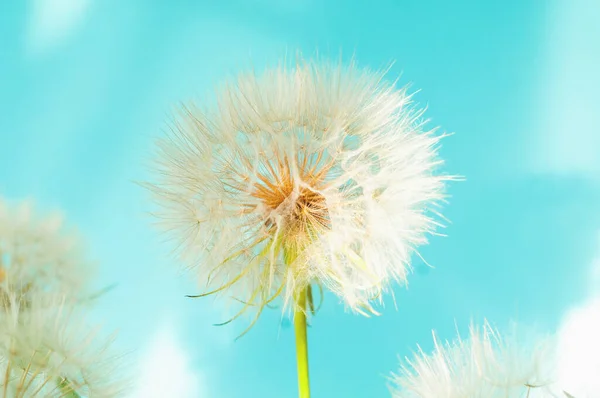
pixel 83 94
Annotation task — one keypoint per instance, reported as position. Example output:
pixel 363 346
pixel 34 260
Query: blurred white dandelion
pixel 40 252
pixel 486 365
pixel 47 350
pixel 313 174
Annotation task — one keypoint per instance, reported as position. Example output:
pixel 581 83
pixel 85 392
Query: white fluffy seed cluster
pixel 47 349
pixel 318 173
pixel 486 365
pixel 39 251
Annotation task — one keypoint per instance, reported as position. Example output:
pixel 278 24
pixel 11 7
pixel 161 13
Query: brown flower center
pixel 297 201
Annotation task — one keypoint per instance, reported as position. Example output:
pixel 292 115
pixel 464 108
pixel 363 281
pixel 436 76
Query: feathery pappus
pixel 315 174
pixel 38 252
pixel 48 350
pixel 487 364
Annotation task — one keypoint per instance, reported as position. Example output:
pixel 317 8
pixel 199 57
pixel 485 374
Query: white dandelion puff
pixel 486 365
pixel 39 252
pixel 317 174
pixel 47 350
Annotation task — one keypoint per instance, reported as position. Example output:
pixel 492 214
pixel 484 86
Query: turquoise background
pixel 516 81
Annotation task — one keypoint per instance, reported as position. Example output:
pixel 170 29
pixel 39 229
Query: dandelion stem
pixel 301 344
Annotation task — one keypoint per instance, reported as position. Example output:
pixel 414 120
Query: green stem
pixel 301 345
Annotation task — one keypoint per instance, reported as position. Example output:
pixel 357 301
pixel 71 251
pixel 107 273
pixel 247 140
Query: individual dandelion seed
pixel 39 252
pixel 486 365
pixel 49 351
pixel 316 174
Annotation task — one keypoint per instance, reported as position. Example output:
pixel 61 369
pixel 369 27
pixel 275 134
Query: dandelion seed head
pixel 47 350
pixel 485 365
pixel 39 252
pixel 316 173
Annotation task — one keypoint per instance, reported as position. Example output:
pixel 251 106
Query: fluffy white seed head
pixel 486 365
pixel 318 173
pixel 39 252
pixel 47 350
